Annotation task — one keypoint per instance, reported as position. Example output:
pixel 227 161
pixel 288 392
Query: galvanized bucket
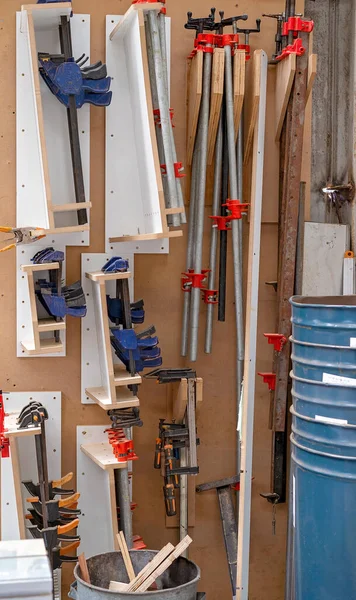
pixel 323 521
pixel 179 582
pixel 315 398
pixel 329 320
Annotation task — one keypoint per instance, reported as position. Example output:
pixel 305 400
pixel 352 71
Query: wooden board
pixel 251 110
pixel 217 92
pixel 194 94
pixel 284 81
pixel 239 86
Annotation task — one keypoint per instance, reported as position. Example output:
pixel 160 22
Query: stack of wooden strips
pixel 156 567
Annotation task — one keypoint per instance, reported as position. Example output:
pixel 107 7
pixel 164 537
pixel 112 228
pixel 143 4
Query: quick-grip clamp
pixel 235 208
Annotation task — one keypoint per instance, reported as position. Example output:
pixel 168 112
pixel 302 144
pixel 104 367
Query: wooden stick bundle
pixel 156 567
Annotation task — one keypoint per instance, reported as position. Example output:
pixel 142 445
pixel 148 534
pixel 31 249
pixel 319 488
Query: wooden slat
pixel 101 277
pixel 102 455
pixel 11 427
pixel 150 567
pixel 124 398
pixel 253 104
pixel 178 550
pixel 180 399
pixel 284 82
pixel 147 236
pixel 216 97
pixel 239 86
pixel 194 94
pixel 47 346
pixel 72 206
pixel 45 325
pixel 312 71
pixel 44 267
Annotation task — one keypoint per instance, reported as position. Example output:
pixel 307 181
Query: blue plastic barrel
pixel 323 482
pixel 312 361
pixel 329 320
pixel 311 398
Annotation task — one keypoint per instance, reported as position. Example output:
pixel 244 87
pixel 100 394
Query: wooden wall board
pixel 157 280
pixel 312 71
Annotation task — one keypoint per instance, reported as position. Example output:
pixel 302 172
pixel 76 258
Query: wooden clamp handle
pixel 65 549
pixel 33 499
pixel 60 482
pixel 68 527
pixel 69 500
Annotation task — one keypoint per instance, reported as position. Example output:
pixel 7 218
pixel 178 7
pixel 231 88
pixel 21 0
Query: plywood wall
pixel 157 280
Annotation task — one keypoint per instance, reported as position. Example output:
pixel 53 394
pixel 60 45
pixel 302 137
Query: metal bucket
pixel 178 582
pixel 329 320
pixel 311 361
pixel 333 401
pixel 324 522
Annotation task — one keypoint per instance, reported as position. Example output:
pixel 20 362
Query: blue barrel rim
pixel 318 452
pixel 310 419
pixel 317 364
pixel 310 304
pixel 327 346
pixel 315 382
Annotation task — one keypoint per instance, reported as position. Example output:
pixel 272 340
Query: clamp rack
pixel 45 187
pixel 134 187
pixel 34 344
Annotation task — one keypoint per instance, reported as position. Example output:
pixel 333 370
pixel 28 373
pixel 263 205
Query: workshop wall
pixel 157 280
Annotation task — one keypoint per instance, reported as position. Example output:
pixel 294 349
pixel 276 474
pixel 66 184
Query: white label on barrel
pixel 330 420
pixel 352 342
pixel 329 378
pixel 294 501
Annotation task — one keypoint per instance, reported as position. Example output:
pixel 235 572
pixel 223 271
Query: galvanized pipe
pixel 123 496
pixel 237 259
pixel 166 126
pixel 223 234
pixel 180 218
pixel 214 234
pixel 200 203
pixel 154 94
pixel 190 244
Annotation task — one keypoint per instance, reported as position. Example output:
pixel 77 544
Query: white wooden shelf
pixel 103 456
pixel 12 430
pixel 135 207
pixel 34 344
pixel 112 376
pixel 45 186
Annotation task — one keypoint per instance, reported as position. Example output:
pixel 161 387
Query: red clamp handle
pixel 295 48
pixel 296 24
pixel 193 280
pixel 270 379
pixel 277 339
